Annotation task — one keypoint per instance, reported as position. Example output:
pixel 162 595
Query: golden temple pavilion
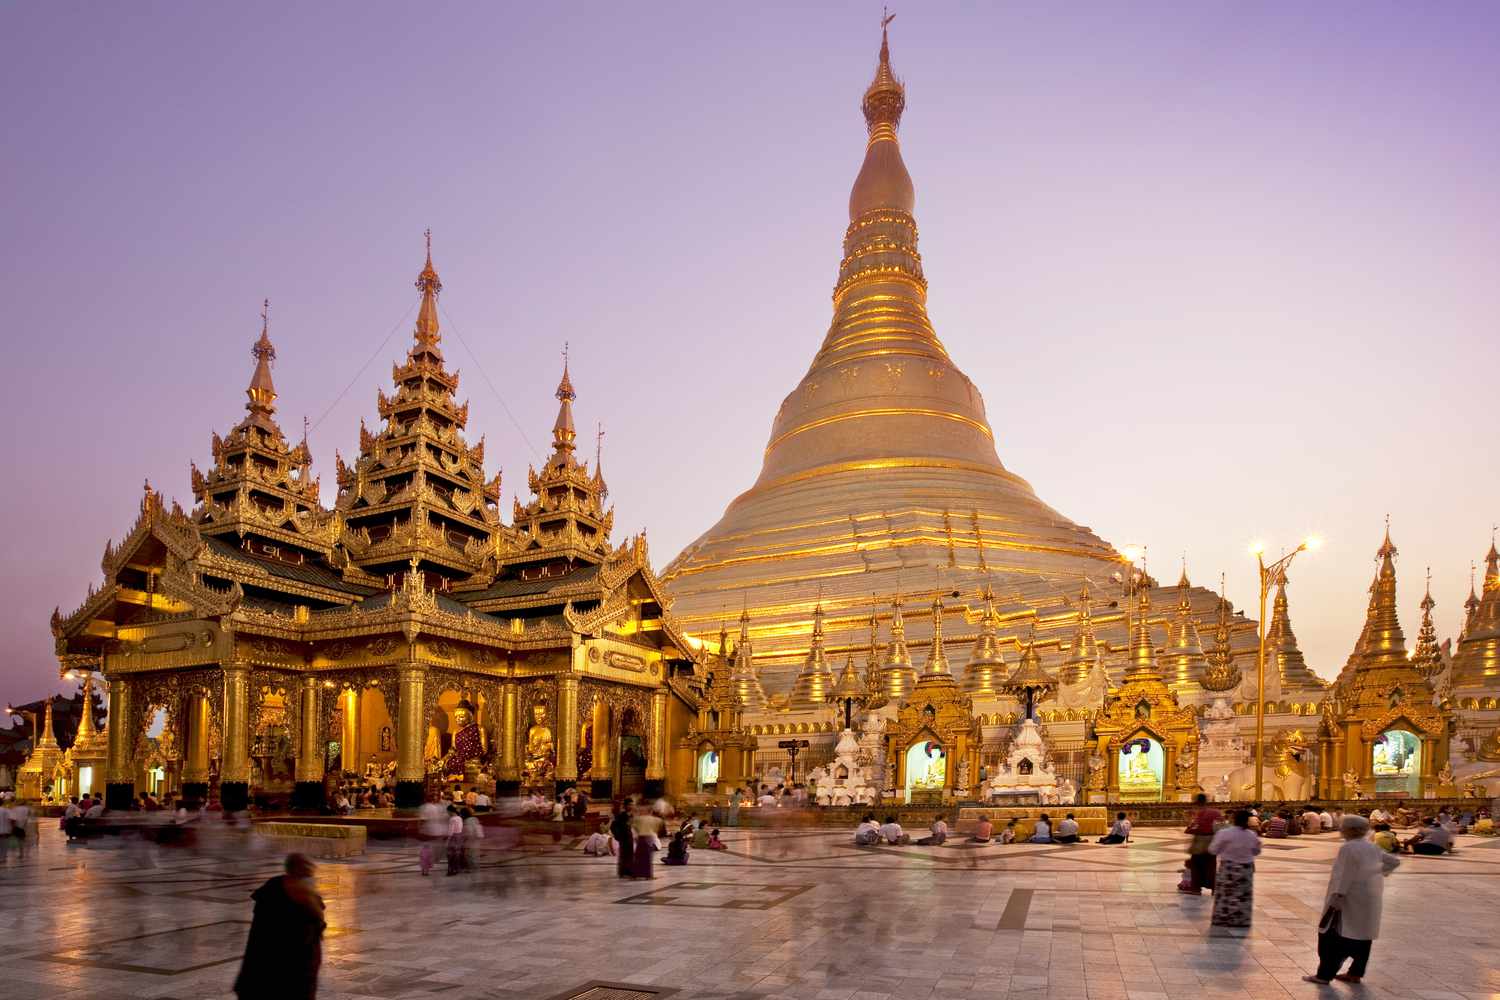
pixel 261 643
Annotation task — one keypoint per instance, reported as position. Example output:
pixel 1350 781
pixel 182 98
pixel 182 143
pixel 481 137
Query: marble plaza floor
pixel 795 914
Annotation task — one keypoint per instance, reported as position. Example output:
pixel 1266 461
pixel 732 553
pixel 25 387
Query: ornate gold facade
pixel 407 633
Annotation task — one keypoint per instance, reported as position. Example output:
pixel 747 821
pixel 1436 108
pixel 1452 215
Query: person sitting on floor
pixel 1277 826
pixel 1385 839
pixel 1041 833
pixel 892 832
pixel 714 843
pixel 1008 835
pixel 1326 821
pixel 1431 839
pixel 600 844
pixel 867 834
pixel 939 834
pixel 983 831
pixel 1067 830
pixel 677 850
pixel 1119 833
pixel 1311 821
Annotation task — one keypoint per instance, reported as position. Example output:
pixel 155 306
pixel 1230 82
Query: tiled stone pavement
pixel 782 914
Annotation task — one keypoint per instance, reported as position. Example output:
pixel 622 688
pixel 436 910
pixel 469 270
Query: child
pixel 714 843
pixel 1008 835
pixel 677 850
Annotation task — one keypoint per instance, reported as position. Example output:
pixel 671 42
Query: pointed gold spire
pixel 1143 665
pixel 1476 660
pixel 1221 674
pixel 1471 606
pixel 1281 642
pixel 813 684
pixel 1085 649
pixel 47 738
pixel 1184 659
pixel 429 285
pixel 897 672
pixel 742 676
pixel 262 391
pixel 848 692
pixel 937 659
pixel 1427 656
pixel 985 673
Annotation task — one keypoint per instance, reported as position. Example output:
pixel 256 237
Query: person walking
pixel 734 806
pixel 646 826
pixel 432 827
pixel 1201 863
pixel 1351 908
pixel 285 946
pixel 619 828
pixel 473 834
pixel 455 841
pixel 1235 848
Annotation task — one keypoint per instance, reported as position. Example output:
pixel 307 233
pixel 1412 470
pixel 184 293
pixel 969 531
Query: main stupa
pixel 881 477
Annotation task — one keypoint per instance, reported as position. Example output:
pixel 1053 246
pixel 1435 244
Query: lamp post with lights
pixel 1269 575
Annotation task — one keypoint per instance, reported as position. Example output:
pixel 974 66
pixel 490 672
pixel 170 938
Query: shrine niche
pixel 933 742
pixel 1145 743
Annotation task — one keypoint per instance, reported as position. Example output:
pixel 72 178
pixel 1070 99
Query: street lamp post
pixel 1269 575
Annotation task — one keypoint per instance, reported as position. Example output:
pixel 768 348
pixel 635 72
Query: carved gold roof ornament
pixel 984 676
pixel 1427 657
pixel 896 672
pixel 811 688
pixel 1143 664
pixel 1029 683
pixel 743 676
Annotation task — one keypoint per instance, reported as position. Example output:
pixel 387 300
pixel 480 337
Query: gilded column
pixel 656 749
pixel 195 758
pixel 567 732
pixel 509 782
pixel 119 782
pixel 234 770
pixel 308 792
pixel 410 735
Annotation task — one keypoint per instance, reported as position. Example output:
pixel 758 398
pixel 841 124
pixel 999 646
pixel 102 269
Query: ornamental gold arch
pixel 438 680
pixel 383 679
pixel 264 683
pixel 165 691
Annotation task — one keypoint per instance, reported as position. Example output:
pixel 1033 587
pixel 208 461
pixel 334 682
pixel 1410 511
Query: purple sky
pixel 1223 271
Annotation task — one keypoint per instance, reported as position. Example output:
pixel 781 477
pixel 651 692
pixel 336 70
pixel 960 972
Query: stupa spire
pixel 742 676
pixel 1281 642
pixel 1221 673
pixel 1185 661
pixel 564 434
pixel 1428 656
pixel 937 659
pixel 1085 649
pixel 1471 606
pixel 985 672
pixel 1476 660
pixel 1030 683
pixel 815 681
pixel 897 672
pixel 1143 665
pixel 47 738
pixel 262 391
pixel 429 285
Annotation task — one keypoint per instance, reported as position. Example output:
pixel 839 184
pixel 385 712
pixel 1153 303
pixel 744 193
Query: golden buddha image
pixel 1141 767
pixel 539 762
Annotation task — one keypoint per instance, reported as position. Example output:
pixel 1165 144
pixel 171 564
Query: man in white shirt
pixel 1379 815
pixel 1325 821
pixel 1067 830
pixel 96 810
pixel 766 800
pixel 939 834
pixel 892 832
pixel 482 802
pixel 20 817
pixel 867 834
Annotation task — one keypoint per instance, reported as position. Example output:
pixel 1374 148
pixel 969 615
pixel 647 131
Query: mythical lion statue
pixel 1288 771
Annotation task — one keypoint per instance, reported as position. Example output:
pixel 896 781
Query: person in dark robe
pixel 1201 864
pixel 619 828
pixel 285 947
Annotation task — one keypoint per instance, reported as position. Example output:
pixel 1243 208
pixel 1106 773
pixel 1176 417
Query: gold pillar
pixel 195 759
pixel 121 767
pixel 310 760
pixel 349 737
pixel 510 769
pixel 656 751
pixel 411 732
pixel 603 740
pixel 236 763
pixel 567 728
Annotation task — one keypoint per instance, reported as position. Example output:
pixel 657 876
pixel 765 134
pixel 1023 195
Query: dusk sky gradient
pixel 1222 271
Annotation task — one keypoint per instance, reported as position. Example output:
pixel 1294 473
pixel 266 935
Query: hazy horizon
pixel 1223 274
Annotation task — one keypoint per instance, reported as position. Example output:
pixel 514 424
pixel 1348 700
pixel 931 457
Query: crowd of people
pixel 870 833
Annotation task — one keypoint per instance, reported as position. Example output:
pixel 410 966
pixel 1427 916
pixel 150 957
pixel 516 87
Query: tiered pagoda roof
pixel 1476 661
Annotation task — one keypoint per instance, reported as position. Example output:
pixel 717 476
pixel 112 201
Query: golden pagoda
pixel 897 675
pixel 881 470
pixel 39 774
pixel 1221 674
pixel 752 697
pixel 1476 660
pixel 407 633
pixel 1029 683
pixel 1282 652
pixel 1427 657
pixel 1084 651
pixel 1145 743
pixel 1380 719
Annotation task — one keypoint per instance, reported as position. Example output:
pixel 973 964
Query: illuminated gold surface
pixel 1476 661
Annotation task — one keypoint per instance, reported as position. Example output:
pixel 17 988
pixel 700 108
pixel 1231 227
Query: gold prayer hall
pixel 915 623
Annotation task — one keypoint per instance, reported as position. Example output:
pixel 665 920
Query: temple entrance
pixel 1396 762
pixel 708 770
pixel 632 755
pixel 926 769
pixel 1142 766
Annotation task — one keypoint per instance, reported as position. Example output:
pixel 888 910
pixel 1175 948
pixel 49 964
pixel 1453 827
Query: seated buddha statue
pixel 539 766
pixel 468 742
